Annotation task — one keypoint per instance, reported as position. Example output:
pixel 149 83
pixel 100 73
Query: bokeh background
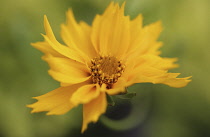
pixel 156 111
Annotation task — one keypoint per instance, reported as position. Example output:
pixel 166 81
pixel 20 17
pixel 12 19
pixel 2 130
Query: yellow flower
pixel 102 59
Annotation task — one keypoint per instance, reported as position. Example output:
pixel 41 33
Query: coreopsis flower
pixel 101 60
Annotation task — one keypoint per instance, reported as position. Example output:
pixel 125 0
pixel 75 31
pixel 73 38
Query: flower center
pixel 106 70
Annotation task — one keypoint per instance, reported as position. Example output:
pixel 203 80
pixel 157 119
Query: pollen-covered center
pixel 106 70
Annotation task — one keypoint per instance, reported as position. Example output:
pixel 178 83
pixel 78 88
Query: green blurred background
pixel 156 111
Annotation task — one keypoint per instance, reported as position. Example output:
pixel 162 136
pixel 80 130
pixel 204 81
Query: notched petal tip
pixel 188 79
pixel 46 22
pixel 177 82
pixel 140 17
pixel 122 8
pixel 123 4
pixel 137 22
pixel 44 36
pixel 111 5
pixel 35 97
pixel 70 17
pixel 33 109
pixel 45 17
pixel 48 28
pixel 29 106
pixel 69 12
pixel 33 44
pixel 155 27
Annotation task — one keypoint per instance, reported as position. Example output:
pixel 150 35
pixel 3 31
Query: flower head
pixel 102 59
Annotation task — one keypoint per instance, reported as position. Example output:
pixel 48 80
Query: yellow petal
pixel 128 75
pixel 171 80
pixel 77 36
pixel 68 66
pixel 111 31
pixel 66 70
pixel 63 50
pixel 146 41
pixel 67 79
pixel 93 109
pixel 153 30
pixel 118 87
pixel 55 102
pixel 85 94
pixel 149 74
pixel 156 76
pixel 154 48
pixel 110 9
pixel 97 30
pixel 136 26
pixel 46 48
pixel 156 62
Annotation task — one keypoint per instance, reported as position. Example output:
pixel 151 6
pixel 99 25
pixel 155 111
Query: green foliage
pixel 174 112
